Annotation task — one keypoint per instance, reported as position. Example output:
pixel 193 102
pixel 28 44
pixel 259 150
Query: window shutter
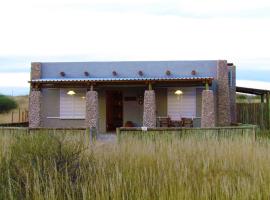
pixel 183 105
pixel 72 106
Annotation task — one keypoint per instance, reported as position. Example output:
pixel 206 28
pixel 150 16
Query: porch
pixel 108 104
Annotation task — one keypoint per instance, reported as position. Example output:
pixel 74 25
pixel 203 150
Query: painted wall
pixel 50 111
pixel 129 69
pixel 102 110
pixel 132 110
pixel 50 101
pixel 199 101
pixel 183 105
pixel 161 102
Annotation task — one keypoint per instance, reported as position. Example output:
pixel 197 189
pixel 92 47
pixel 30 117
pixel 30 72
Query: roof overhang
pixel 252 90
pixel 81 82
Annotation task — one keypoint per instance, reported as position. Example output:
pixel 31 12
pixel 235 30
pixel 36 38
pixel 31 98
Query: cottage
pixel 106 95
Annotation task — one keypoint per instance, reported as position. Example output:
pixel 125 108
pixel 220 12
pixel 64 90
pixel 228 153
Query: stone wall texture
pixel 35 71
pixel 223 94
pixel 91 115
pixel 208 111
pixel 149 109
pixel 35 109
pixel 233 94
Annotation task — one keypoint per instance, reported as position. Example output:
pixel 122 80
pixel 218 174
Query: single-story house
pixel 106 95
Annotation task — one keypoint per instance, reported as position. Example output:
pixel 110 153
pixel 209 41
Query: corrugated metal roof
pixel 52 80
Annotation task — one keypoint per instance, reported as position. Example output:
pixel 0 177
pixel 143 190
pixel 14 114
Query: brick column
pixel 149 109
pixel 208 111
pixel 233 94
pixel 35 70
pixel 91 115
pixel 223 94
pixel 35 108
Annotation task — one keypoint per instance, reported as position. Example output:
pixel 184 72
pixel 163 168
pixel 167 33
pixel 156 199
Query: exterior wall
pixel 161 101
pixel 50 101
pixel 199 102
pixel 233 93
pixel 132 110
pixel 183 105
pixel 223 94
pixel 35 70
pixel 130 69
pixel 51 111
pixel 102 110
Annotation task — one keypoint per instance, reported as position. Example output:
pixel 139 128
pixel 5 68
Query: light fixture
pixel 178 92
pixel 83 97
pixel 71 92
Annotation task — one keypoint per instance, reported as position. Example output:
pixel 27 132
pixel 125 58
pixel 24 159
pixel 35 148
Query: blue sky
pixel 103 30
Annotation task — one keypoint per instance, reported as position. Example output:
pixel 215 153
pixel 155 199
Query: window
pixel 72 105
pixel 182 105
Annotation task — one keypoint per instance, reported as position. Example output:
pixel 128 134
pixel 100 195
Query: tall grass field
pixel 67 166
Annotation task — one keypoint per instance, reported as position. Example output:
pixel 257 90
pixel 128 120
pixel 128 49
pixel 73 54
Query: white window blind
pixel 72 106
pixel 183 105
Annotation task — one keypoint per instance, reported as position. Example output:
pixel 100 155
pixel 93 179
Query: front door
pixel 114 110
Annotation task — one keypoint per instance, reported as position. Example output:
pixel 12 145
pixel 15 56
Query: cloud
pixel 19 80
pixel 120 30
pixel 82 30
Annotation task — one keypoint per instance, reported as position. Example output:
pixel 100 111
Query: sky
pixel 113 30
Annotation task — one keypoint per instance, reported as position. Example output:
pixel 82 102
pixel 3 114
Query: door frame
pixel 109 108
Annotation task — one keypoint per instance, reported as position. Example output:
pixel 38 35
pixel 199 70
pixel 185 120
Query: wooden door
pixel 114 110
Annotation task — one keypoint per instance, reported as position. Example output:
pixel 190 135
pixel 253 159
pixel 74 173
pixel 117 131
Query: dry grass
pixel 22 106
pixel 134 168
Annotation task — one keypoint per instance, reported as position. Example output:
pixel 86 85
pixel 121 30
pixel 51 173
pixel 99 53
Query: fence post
pixel 262 124
pixel 12 117
pixel 19 115
pixel 268 109
pixel 23 116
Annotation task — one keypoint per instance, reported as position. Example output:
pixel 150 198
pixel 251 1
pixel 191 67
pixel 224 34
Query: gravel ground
pixel 108 137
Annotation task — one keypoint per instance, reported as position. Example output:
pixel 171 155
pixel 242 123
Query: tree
pixel 7 104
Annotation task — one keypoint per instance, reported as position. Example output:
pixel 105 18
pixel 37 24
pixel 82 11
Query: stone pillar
pixel 233 94
pixel 208 110
pixel 149 109
pixel 35 70
pixel 91 115
pixel 35 108
pixel 223 94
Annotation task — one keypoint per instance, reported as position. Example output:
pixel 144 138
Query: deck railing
pixel 241 130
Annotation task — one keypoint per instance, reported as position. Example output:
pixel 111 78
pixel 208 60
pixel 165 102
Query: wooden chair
pixel 176 123
pixel 164 121
pixel 187 122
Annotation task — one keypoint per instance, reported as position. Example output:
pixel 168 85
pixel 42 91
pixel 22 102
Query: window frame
pixel 76 115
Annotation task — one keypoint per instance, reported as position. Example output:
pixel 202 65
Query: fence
pixel 253 113
pixel 243 130
pixel 19 116
pixel 15 118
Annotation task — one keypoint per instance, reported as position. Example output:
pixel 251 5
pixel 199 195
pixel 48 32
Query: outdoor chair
pixel 187 122
pixel 164 121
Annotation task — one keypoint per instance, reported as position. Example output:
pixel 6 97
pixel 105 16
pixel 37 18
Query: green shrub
pixel 7 104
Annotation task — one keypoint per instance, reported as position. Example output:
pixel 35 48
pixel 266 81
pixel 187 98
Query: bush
pixel 7 104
